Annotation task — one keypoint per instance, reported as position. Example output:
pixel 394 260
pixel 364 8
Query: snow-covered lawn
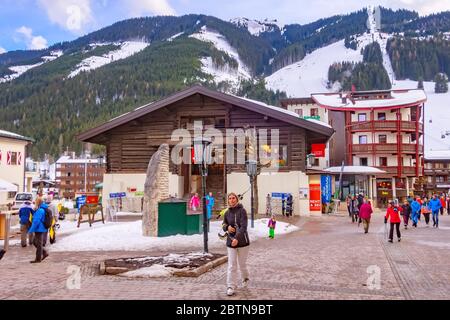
pixel 128 236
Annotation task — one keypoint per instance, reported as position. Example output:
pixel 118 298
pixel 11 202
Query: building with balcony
pixel 78 175
pixel 436 172
pixel 382 129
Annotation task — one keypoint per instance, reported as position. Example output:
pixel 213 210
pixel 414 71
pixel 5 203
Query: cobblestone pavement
pixel 329 258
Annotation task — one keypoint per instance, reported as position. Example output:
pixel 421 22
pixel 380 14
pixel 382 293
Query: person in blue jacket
pixel 25 214
pixel 415 209
pixel 209 204
pixel 435 206
pixel 39 230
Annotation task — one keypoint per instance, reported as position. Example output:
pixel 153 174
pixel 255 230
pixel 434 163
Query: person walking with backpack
pixel 435 206
pixel 415 210
pixel 40 224
pixel 25 215
pixel 235 225
pixel 393 215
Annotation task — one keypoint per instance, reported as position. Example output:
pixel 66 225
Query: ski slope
pixel 127 49
pixel 227 74
pixel 310 75
pixel 20 70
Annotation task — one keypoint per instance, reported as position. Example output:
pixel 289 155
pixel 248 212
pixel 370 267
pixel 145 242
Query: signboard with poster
pixel 314 197
pixel 318 150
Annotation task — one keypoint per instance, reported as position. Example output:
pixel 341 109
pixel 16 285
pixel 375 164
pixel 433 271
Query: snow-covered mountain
pixel 256 27
pixel 132 61
pixel 310 75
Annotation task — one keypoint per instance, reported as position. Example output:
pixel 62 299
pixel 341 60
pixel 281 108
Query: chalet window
pixel 362 117
pixel 281 154
pixel 440 179
pixel 382 138
pixel 363 161
pixel 383 161
pixel 381 116
pixel 362 139
pixel 13 159
pixel 316 162
pixel 430 179
pixel 314 112
pixel 299 112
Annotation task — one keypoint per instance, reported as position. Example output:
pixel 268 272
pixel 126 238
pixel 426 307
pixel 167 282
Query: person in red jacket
pixel 443 205
pixel 365 214
pixel 393 214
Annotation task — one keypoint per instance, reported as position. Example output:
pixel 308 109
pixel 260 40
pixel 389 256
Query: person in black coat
pixel 289 205
pixel 2 253
pixel 406 213
pixel 235 225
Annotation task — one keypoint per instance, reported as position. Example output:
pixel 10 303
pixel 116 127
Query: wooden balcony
pixel 385 125
pixel 406 170
pixel 409 148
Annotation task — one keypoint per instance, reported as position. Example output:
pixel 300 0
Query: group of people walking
pixel 360 210
pixel 35 222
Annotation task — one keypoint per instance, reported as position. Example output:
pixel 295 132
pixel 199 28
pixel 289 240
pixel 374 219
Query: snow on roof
pixel 437 154
pixel 282 110
pixel 11 135
pixel 355 170
pixel 68 159
pixel 398 98
pixel 8 186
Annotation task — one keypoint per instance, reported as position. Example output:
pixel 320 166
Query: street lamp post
pixel 202 155
pixel 252 171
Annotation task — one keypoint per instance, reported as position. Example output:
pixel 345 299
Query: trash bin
pixel 173 219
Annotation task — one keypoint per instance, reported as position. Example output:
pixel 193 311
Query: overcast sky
pixel 35 24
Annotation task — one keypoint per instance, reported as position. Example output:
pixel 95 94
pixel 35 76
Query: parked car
pixel 20 198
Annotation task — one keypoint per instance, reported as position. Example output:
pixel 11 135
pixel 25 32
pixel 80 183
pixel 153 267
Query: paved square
pixel 329 258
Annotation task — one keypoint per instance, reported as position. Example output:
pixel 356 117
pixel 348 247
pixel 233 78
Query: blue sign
pixel 279 195
pixel 325 186
pixel 81 200
pixel 117 195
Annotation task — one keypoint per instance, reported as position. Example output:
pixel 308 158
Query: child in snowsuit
pixel 271 225
pixel 195 202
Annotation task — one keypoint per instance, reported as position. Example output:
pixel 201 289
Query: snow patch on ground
pixel 443 245
pixel 127 49
pixel 223 74
pixel 20 70
pixel 128 236
pixel 155 271
pixel 310 75
pixel 175 36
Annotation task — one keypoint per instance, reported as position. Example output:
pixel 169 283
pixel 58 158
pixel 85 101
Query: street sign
pixel 117 195
pixel 279 195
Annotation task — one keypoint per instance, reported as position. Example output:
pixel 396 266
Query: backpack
pixel 48 218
